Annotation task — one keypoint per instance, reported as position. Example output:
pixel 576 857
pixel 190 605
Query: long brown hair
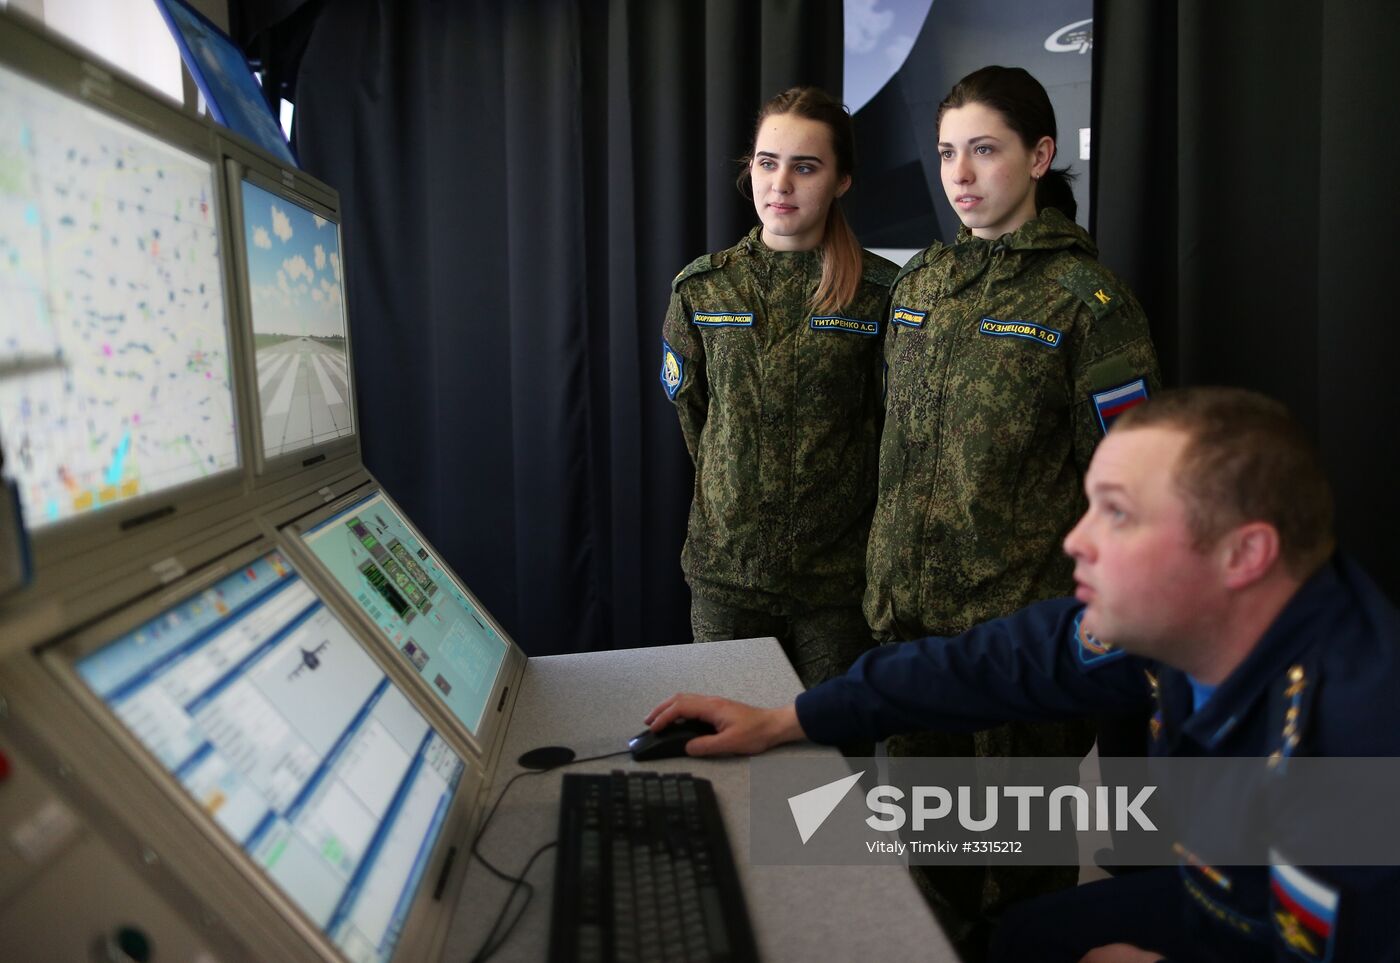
pixel 842 258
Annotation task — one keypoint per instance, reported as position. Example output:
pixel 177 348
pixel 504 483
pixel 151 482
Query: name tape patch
pixel 1112 402
pixel 711 319
pixel 908 317
pixel 672 369
pixel 848 325
pixel 1029 330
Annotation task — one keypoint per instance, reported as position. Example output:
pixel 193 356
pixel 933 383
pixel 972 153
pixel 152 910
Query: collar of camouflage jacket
pixel 970 257
pixel 766 258
pixel 753 245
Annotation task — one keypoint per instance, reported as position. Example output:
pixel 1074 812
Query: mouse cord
pixel 491 944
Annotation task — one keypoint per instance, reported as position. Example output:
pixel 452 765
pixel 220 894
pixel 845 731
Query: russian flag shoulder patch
pixel 1112 402
pixel 1304 911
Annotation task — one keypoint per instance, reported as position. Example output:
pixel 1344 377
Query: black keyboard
pixel 644 872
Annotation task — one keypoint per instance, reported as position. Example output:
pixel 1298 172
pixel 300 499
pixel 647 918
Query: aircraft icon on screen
pixel 310 659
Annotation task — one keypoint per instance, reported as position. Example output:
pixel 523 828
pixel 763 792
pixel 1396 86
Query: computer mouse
pixel 668 742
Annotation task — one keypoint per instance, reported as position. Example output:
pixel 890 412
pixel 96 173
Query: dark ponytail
pixel 1054 190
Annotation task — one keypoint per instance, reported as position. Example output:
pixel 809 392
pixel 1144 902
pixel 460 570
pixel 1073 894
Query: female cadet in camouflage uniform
pixel 1009 352
pixel 771 354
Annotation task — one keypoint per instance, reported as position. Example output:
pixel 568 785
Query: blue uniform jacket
pixel 1324 680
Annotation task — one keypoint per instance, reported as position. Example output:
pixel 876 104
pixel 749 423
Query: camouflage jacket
pixel 1007 359
pixel 780 408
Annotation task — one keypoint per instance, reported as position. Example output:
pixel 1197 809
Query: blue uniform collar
pixel 1300 624
pixel 1200 692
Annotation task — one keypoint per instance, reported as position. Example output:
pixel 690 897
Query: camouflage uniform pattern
pixel 781 411
pixel 994 351
pixel 989 428
pixel 821 643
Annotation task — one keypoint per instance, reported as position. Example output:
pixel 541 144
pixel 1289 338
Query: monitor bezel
pixel 195 505
pixel 195 68
pixel 424 927
pixel 311 195
pixel 485 743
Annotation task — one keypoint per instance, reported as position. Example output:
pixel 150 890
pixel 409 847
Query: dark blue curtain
pixel 521 181
pixel 1245 187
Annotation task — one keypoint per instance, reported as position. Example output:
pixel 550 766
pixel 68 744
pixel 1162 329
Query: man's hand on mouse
pixel 740 729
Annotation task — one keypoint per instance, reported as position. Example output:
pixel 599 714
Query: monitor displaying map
pixel 398 582
pixel 298 306
pixel 114 358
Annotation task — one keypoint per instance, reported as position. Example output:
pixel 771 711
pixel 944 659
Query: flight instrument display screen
pixel 394 577
pixel 258 701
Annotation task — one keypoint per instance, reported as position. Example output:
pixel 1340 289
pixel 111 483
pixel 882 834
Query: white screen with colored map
pixel 298 304
pixel 114 360
pixel 402 586
pixel 257 699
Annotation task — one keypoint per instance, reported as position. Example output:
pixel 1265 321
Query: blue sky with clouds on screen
pixel 293 267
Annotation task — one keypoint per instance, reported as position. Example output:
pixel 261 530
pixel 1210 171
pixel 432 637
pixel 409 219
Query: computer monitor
pixel 223 76
pixel 291 257
pixel 273 720
pixel 439 629
pixel 115 378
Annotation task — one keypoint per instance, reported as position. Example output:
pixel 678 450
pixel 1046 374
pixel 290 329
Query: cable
pixel 487 949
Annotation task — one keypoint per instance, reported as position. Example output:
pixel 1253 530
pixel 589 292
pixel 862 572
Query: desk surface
pixel 593 703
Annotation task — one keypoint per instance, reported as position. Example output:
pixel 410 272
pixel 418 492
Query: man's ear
pixel 1250 552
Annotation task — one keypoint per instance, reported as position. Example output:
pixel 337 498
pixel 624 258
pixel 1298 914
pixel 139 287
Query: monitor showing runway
pixel 297 296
